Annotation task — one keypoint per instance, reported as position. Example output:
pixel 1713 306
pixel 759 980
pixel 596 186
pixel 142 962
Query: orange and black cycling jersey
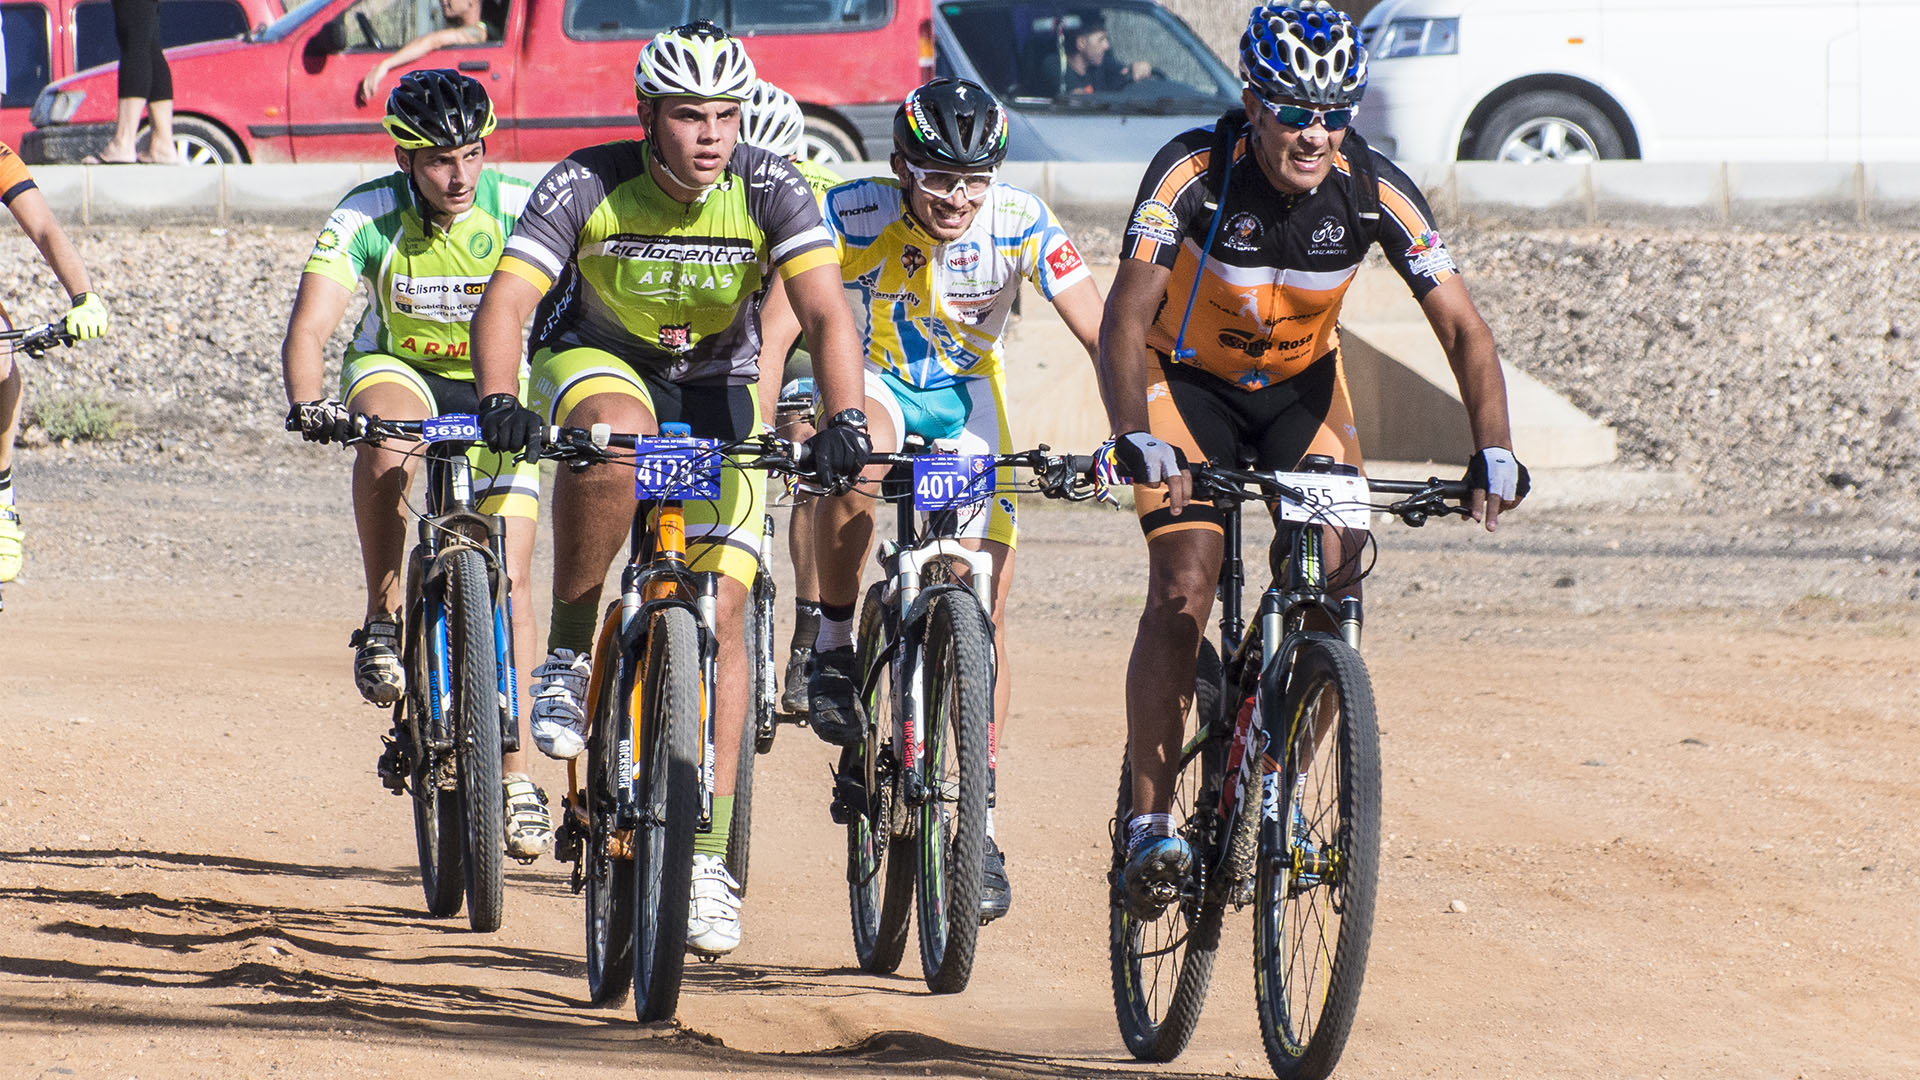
pixel 1271 289
pixel 14 177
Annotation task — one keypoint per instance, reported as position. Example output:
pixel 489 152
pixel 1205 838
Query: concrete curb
pixel 1606 193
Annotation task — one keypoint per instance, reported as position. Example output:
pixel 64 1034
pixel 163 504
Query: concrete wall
pixel 1637 193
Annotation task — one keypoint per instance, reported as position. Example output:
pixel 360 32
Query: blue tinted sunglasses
pixel 1295 116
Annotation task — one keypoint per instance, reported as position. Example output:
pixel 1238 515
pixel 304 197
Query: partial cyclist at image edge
pixel 643 264
pixel 87 318
pixel 932 260
pixel 425 239
pixel 1221 339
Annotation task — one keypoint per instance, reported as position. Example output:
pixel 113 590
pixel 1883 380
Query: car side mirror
pixel 329 39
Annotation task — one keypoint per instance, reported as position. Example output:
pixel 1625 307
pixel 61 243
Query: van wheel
pixel 199 143
pixel 826 141
pixel 1547 126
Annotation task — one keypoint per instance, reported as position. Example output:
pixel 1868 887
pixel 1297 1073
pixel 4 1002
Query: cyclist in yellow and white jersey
pixel 425 240
pixel 771 120
pixel 932 260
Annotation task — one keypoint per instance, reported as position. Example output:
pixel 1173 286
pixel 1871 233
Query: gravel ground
pixel 1779 370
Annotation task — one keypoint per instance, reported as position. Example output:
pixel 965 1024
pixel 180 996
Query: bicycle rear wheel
pixel 476 715
pixel 1161 969
pixel 1319 863
pixel 608 854
pixel 756 733
pixel 880 866
pixel 439 832
pixel 958 690
pixel 667 742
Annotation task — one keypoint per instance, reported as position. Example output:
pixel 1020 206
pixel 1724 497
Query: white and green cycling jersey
pixel 424 283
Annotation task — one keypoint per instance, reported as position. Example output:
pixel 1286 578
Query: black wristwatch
pixel 852 418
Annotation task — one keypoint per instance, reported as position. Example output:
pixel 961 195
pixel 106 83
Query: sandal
pixel 529 829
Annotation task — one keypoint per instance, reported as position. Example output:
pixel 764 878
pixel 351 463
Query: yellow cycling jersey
pixel 932 313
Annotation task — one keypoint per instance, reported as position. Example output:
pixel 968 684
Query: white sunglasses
pixel 972 185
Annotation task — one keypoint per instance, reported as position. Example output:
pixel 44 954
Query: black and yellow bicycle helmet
pixel 438 107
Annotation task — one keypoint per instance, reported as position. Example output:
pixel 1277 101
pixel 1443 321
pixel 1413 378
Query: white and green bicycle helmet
pixel 771 120
pixel 696 60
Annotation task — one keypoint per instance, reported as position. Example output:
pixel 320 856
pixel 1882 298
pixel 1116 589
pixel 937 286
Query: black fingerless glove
pixel 510 427
pixel 839 452
pixel 316 421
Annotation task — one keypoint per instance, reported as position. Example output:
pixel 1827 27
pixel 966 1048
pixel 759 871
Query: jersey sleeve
pixel 1407 233
pixel 1047 256
pixel 781 202
pixel 548 230
pixel 351 241
pixel 14 177
pixel 1170 193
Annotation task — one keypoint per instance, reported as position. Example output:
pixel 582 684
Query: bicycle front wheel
pixel 1162 968
pixel 958 691
pixel 439 830
pixel 1319 862
pixel 476 714
pixel 608 854
pixel 667 741
pixel 880 866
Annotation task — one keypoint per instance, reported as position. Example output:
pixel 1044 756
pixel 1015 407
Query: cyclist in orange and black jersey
pixel 1252 285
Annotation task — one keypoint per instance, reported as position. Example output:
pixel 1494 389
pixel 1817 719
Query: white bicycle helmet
pixel 1303 50
pixel 771 120
pixel 696 60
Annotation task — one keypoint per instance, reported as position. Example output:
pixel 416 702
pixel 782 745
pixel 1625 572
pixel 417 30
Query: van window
pixel 182 22
pixel 601 20
pixel 29 61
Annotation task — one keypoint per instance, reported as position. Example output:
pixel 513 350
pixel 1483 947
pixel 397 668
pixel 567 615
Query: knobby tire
pixel 609 880
pixel 957 663
pixel 668 744
pixel 880 866
pixel 1312 933
pixel 476 713
pixel 439 831
pixel 762 697
pixel 1162 969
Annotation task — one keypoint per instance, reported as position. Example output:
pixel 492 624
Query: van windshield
pixel 288 23
pixel 1111 57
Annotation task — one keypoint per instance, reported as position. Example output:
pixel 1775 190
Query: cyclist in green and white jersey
pixel 643 265
pixel 771 120
pixel 425 240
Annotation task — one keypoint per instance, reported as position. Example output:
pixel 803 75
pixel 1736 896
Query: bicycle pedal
pixel 393 765
pixel 523 860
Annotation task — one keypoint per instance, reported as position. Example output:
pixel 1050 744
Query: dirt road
pixel 1667 768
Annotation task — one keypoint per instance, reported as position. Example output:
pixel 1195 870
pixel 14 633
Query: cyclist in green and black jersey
pixel 425 240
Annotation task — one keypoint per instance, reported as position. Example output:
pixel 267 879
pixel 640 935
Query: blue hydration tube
pixel 1182 354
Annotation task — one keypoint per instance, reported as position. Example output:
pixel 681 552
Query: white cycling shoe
pixel 559 722
pixel 713 918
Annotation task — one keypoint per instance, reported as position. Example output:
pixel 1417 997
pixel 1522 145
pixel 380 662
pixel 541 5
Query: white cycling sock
pixel 834 633
pixel 1145 827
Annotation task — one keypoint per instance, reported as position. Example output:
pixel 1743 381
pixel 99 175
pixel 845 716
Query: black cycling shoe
pixel 833 691
pixel 996 892
pixel 793 692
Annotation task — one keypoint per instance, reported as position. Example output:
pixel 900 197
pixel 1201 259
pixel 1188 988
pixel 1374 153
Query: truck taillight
pixel 926 50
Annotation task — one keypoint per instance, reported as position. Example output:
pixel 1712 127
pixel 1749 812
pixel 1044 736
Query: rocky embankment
pixel 1781 370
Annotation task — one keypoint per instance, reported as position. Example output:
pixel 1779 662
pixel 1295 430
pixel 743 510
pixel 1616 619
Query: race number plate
pixel 1330 499
pixel 951 481
pixel 674 467
pixel 452 427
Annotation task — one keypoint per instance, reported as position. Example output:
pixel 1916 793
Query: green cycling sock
pixel 572 625
pixel 714 842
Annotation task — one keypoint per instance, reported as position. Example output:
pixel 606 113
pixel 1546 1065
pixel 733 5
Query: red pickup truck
pixel 560 73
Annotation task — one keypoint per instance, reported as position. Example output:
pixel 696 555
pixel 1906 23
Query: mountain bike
pixel 1278 792
pixel 461 708
pixel 36 341
pixel 629 822
pixel 915 791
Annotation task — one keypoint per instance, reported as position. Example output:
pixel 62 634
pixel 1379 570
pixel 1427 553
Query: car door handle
pixel 474 65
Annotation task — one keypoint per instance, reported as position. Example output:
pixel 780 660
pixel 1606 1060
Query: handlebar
pixel 37 341
pixel 1425 498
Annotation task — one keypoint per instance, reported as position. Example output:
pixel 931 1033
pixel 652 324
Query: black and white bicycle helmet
pixel 438 107
pixel 951 123
pixel 696 60
pixel 1303 50
pixel 771 120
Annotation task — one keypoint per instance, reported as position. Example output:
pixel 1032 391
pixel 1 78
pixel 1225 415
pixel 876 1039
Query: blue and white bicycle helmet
pixel 1303 50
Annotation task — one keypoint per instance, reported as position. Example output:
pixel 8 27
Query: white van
pixel 1663 80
